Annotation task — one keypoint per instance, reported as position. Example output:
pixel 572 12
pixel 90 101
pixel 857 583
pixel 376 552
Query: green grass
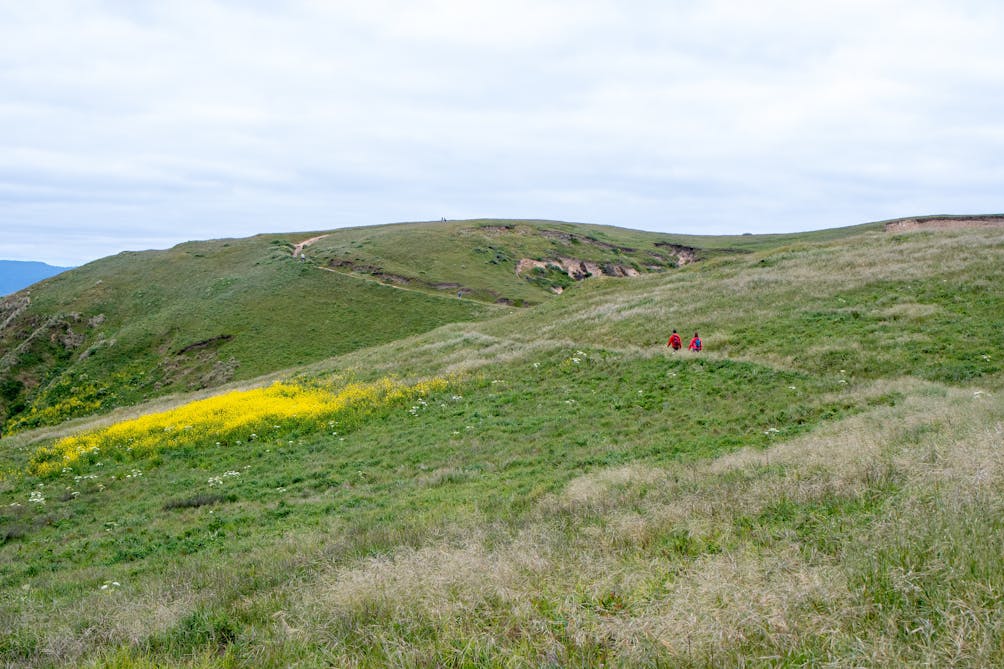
pixel 140 325
pixel 819 488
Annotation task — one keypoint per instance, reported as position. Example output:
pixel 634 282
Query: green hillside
pixel 140 325
pixel 549 485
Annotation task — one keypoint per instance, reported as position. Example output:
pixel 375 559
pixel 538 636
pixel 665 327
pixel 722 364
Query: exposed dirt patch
pixel 577 269
pixel 684 254
pixel 945 222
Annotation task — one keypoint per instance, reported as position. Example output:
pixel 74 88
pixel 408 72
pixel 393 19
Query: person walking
pixel 675 342
pixel 695 344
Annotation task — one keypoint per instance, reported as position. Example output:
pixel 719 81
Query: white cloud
pixel 168 121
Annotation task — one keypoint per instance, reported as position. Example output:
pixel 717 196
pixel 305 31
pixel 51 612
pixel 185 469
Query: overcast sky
pixel 127 125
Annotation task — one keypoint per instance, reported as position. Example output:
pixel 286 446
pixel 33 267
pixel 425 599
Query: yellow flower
pixel 230 415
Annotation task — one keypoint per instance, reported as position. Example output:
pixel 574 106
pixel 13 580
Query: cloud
pixel 162 122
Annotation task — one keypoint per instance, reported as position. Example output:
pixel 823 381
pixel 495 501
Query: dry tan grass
pixel 723 601
pixel 910 311
pixel 598 491
pixel 437 583
pixel 775 595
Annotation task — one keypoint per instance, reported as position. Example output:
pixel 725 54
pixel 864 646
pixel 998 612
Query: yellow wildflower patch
pixel 235 415
pixel 53 414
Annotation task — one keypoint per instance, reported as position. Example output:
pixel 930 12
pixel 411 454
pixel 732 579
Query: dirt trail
pixel 298 249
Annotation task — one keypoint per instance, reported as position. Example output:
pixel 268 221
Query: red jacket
pixel 695 344
pixel 674 341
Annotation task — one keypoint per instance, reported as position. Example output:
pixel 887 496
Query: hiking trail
pixel 298 249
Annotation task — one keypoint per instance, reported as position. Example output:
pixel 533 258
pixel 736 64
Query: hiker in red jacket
pixel 695 344
pixel 675 342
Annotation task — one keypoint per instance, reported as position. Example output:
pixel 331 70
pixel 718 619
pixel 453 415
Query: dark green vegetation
pixel 821 487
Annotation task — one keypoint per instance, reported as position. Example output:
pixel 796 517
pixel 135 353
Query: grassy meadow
pixel 141 325
pixel 552 486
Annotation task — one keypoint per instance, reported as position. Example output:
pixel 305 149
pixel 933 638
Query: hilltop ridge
pixel 143 324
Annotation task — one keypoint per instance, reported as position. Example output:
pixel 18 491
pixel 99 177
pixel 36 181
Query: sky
pixel 128 125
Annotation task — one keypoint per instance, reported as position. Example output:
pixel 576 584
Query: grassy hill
pixel 141 325
pixel 550 486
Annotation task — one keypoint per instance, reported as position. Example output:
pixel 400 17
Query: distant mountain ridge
pixel 18 274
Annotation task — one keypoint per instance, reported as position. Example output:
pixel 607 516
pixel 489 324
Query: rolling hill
pixel 547 484
pixel 140 325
